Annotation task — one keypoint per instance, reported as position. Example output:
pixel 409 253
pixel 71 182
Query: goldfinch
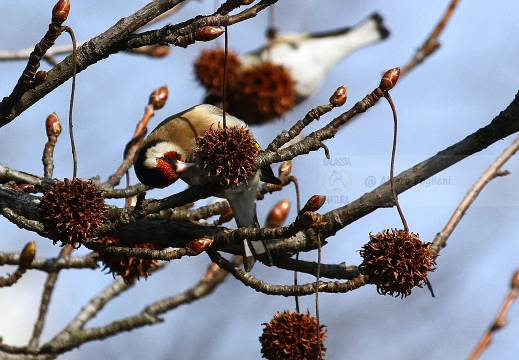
pixel 309 56
pixel 167 154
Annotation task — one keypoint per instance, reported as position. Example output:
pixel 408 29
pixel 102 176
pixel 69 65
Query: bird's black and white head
pixel 159 163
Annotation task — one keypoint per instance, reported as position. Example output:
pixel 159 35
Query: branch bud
pixel 226 216
pixel 515 281
pixel 339 96
pixel 314 203
pixel 160 51
pixel 278 214
pixel 40 77
pixel 208 33
pixel 53 125
pixel 27 255
pixel 60 11
pixel 285 169
pixel 28 188
pixel 199 245
pixel 159 97
pixel 246 2
pixel 389 79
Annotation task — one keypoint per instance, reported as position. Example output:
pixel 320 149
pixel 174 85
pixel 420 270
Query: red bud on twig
pixel 278 214
pixel 159 97
pixel 226 216
pixel 389 79
pixel 60 11
pixel 28 188
pixel 160 51
pixel 208 33
pixel 199 245
pixel 314 203
pixel 339 96
pixel 515 281
pixel 40 77
pixel 53 125
pixel 285 169
pixel 27 255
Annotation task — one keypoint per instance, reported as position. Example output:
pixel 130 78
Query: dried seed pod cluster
pixel 292 336
pixel 396 261
pixel 209 69
pixel 72 211
pixel 228 154
pixel 256 94
pixel 129 268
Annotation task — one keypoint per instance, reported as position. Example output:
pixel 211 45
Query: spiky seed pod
pixel 262 93
pixel 209 69
pixel 227 154
pixel 396 261
pixel 72 211
pixel 129 268
pixel 292 336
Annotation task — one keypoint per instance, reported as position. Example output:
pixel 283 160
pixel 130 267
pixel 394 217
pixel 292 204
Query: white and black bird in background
pixel 309 56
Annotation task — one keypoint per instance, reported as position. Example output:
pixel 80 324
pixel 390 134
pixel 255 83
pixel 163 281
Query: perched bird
pixel 168 153
pixel 310 56
pixel 267 83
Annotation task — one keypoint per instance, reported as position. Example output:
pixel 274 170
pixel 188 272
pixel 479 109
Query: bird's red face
pixel 168 164
pixel 158 165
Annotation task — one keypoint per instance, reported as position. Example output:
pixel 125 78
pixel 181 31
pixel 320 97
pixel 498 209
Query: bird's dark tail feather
pixel 255 250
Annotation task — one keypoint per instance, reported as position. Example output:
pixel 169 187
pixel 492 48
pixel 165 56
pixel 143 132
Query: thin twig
pixel 156 101
pixel 53 129
pixel 317 279
pixel 53 264
pixel 148 316
pixel 25 81
pixel 72 94
pixel 432 43
pixel 393 156
pixel 224 89
pixel 25 259
pixel 286 290
pixel 117 39
pixel 493 171
pixel 45 299
pixel 501 319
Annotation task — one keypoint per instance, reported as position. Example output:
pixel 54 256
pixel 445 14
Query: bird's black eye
pixel 169 160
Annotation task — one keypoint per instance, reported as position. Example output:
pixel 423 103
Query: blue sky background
pixel 456 91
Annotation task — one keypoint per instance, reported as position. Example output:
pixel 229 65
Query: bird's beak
pixel 182 167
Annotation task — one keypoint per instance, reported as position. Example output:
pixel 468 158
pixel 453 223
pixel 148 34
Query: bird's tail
pixel 255 250
pixel 339 43
pixel 243 205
